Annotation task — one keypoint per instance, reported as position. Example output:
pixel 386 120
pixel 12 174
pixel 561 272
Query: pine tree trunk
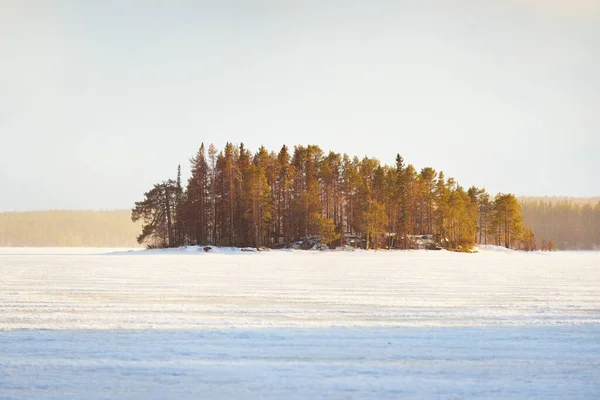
pixel 168 212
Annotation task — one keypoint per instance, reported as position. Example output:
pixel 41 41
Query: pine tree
pixel 284 193
pixel 258 209
pixel 231 185
pixel 485 214
pixel 427 179
pixel 528 239
pixel 212 157
pixel 351 183
pixel 180 217
pixel 198 199
pixel 242 219
pixel 156 211
pixel 312 196
pixel 442 199
pixel 507 219
pixel 402 200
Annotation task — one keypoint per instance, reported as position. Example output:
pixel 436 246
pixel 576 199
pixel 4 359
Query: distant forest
pixel 68 229
pixel 271 199
pixel 571 223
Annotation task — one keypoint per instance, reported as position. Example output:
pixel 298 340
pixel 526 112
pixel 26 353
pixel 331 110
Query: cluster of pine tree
pixel 268 199
pixel 567 224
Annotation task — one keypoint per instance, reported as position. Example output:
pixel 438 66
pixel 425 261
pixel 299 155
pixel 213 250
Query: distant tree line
pixel 563 223
pixel 267 199
pixel 68 228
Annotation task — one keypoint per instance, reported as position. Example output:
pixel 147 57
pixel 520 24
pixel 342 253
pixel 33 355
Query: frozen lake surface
pixel 191 290
pixel 185 324
pixel 322 363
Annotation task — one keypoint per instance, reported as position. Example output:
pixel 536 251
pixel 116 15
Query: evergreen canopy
pixel 238 198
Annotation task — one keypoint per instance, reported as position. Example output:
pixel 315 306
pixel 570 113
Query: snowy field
pixel 280 324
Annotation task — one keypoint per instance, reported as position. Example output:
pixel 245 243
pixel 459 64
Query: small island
pixel 309 199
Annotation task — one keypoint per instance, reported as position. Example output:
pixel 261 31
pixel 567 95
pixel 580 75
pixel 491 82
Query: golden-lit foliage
pixel 235 197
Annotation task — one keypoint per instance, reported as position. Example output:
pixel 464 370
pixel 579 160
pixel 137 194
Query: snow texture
pixel 228 324
pixel 275 289
pixel 325 363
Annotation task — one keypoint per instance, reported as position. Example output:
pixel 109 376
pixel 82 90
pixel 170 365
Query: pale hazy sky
pixel 101 99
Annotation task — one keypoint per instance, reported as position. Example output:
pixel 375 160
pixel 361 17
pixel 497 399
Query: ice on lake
pixel 280 324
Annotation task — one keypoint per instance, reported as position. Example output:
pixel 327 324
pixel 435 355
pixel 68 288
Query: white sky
pixel 99 100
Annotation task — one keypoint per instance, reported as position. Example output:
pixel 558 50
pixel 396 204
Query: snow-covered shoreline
pixel 245 250
pixel 200 250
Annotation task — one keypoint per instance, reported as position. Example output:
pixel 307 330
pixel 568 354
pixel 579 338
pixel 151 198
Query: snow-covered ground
pixel 324 363
pixel 293 324
pixel 192 290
